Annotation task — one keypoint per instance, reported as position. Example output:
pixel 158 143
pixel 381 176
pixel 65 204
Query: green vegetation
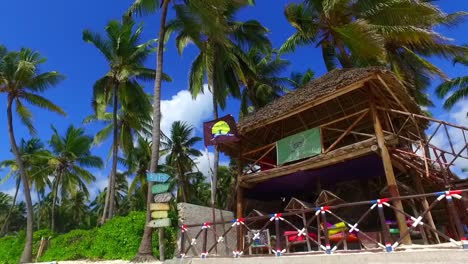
pixel 117 239
pixel 234 59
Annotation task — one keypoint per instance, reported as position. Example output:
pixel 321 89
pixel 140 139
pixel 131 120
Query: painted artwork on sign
pixel 299 146
pixel 163 197
pixel 221 130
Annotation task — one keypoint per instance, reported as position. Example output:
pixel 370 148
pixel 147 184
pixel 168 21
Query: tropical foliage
pixel 54 178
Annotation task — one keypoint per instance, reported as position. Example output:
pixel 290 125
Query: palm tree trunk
pixel 54 199
pixel 183 184
pixel 115 148
pixel 7 219
pixel 110 194
pixel 214 179
pixel 145 251
pixel 344 56
pixel 27 252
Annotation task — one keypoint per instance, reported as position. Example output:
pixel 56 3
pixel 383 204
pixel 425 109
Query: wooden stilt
pixel 389 174
pixel 425 204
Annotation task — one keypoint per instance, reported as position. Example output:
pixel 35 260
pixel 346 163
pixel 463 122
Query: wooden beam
pixel 333 157
pixel 351 132
pixel 420 190
pixel 258 149
pixel 389 174
pixel 313 103
pixel 344 117
pixel 347 131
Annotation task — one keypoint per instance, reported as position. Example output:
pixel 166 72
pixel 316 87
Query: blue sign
pixel 157 177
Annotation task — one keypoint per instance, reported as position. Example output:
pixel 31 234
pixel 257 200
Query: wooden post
pixel 420 190
pixel 278 238
pixel 386 233
pixel 325 232
pixel 239 202
pixel 389 174
pixel 304 222
pixel 161 244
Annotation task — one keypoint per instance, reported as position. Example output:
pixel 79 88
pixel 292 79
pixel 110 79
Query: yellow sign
pixel 159 207
pixel 159 214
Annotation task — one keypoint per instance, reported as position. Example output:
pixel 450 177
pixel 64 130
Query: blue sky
pixel 54 28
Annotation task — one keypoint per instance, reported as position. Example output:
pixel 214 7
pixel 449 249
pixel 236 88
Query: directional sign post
pixel 157 177
pixel 160 223
pixel 163 197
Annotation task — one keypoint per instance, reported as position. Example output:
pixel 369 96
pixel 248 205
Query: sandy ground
pixel 90 262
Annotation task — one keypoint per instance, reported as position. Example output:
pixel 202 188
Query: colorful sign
pixel 163 197
pixel 159 207
pixel 221 130
pixel 159 214
pixel 160 188
pixel 299 146
pixel 157 177
pixel 160 223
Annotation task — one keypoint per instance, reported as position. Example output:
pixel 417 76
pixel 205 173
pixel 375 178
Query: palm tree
pixel 398 34
pixel 34 158
pixel 179 146
pixel 145 251
pixel 333 27
pixel 262 81
pixel 70 154
pixel 21 79
pixel 298 79
pixel 458 85
pixel 125 54
pixel 220 40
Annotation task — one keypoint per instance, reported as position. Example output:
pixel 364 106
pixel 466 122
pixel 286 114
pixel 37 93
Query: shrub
pixel 70 246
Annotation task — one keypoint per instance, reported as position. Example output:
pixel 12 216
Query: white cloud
pixel 99 185
pixel 184 108
pixel 459 113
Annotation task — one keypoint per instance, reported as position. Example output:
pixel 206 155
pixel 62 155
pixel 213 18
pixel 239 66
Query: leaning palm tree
pixel 179 146
pixel 125 54
pixel 70 156
pixel 458 87
pixel 21 80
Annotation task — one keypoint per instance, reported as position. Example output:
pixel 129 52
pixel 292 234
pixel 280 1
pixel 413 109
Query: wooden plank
pixel 157 177
pixel 159 214
pixel 160 188
pixel 159 207
pixel 159 223
pixel 163 197
pixel 347 131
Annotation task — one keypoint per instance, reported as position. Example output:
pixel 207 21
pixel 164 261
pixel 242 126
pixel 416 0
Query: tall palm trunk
pixel 214 179
pixel 344 58
pixel 183 183
pixel 54 199
pixel 115 148
pixel 6 224
pixel 109 202
pixel 145 251
pixel 27 252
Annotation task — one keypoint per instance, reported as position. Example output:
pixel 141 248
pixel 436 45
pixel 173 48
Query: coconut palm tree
pixel 298 79
pixel 458 87
pixel 262 78
pixel 70 156
pixel 221 41
pixel 179 146
pixel 21 80
pixel 145 251
pixel 398 34
pixel 34 157
pixel 125 54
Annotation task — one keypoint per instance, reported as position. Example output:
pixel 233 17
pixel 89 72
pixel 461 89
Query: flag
pixel 299 146
pixel 221 130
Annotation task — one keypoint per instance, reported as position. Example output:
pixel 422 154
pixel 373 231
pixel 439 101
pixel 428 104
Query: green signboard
pixel 299 146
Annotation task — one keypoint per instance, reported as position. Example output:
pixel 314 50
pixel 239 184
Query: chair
pixel 261 242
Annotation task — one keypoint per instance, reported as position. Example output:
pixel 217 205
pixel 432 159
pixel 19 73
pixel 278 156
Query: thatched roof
pixel 326 85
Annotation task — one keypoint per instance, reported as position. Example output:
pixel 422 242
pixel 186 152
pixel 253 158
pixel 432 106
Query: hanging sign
pixel 221 130
pixel 159 214
pixel 160 223
pixel 157 177
pixel 163 197
pixel 299 146
pixel 160 188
